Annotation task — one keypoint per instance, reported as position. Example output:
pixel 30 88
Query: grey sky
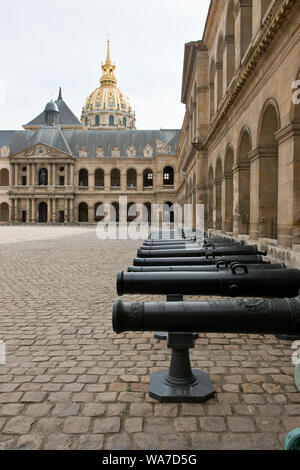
pixel 45 44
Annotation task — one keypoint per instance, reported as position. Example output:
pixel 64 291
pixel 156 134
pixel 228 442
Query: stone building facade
pixel 59 170
pixel 239 147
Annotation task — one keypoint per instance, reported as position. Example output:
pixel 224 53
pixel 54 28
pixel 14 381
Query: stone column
pixel 12 175
pixel 49 174
pixel 16 212
pixel 33 181
pixel 11 210
pixel 33 210
pixel 72 174
pixel 123 182
pixel 28 215
pixel 107 182
pixel 49 210
pixel 139 182
pixel 241 199
pixel 71 215
pixel 91 214
pixel 16 174
pixel 54 210
pixel 91 181
pixel 53 174
pixel 201 184
pixel 288 185
pixel 66 210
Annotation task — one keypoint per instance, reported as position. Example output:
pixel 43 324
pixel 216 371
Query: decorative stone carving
pixel 131 151
pixel 83 152
pixel 148 151
pixel 99 152
pixel 4 151
pixel 115 152
pixel 162 148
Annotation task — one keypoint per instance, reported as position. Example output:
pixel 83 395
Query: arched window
pixel 43 212
pixel 43 177
pixel 4 177
pixel 83 179
pixel 97 120
pixel 111 120
pixel 168 176
pixel 115 178
pixel 124 121
pixel 148 179
pixel 99 178
pixel 131 178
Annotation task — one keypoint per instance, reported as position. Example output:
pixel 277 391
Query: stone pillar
pixel 107 182
pixel 241 199
pixel 16 211
pixel 91 181
pixel 12 175
pixel 33 210
pixel 54 210
pixel 288 185
pixel 139 182
pixel 49 174
pixel 91 214
pixel 49 210
pixel 66 210
pixel 123 182
pixel 33 179
pixel 218 205
pixel 201 184
pixel 71 215
pixel 28 215
pixel 16 174
pixel 53 174
pixel 227 202
pixel 11 210
pixel 71 174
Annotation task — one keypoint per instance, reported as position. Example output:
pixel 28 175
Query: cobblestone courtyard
pixel 70 383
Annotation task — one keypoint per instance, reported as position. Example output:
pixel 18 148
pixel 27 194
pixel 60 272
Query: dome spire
pixel 108 77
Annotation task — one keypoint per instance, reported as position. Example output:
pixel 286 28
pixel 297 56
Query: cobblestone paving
pixel 71 383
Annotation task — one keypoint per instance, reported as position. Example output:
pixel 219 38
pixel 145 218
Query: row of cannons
pixel 185 264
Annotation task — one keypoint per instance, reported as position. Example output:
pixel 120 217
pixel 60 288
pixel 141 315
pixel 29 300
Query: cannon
pixel 218 267
pixel 202 252
pixel 189 246
pixel 196 261
pixel 186 241
pixel 180 383
pixel 238 281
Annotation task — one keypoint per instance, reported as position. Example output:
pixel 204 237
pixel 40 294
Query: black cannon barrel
pixel 187 240
pixel 189 246
pixel 281 316
pixel 243 250
pixel 228 283
pixel 221 266
pixel 194 261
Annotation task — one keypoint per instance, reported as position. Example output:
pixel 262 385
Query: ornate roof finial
pixel 108 69
pixel 59 94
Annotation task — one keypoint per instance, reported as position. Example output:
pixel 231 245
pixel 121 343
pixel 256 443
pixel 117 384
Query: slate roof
pixel 123 139
pixel 53 137
pixel 66 116
pixel 70 141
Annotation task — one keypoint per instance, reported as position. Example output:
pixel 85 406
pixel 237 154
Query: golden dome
pixel 108 99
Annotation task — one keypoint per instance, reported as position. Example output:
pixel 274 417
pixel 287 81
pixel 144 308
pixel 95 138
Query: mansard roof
pixel 70 141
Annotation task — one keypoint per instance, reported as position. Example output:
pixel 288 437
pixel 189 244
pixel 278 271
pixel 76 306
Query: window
pixel 111 120
pixel 61 181
pixel 97 120
pixel 24 180
pixel 168 179
pixel 43 177
pixel 124 121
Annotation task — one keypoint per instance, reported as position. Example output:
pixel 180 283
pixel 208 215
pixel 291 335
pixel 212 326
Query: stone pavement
pixel 70 383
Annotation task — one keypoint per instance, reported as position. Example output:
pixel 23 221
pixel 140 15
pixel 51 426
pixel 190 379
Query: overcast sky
pixel 45 44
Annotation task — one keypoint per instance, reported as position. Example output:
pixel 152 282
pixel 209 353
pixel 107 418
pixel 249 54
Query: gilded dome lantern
pixel 107 107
